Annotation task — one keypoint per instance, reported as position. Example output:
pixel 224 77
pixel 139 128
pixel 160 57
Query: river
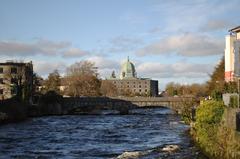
pixel 98 136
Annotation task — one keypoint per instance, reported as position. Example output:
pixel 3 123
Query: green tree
pixel 197 90
pixel 53 82
pixel 171 89
pixel 230 87
pixel 216 83
pixel 37 82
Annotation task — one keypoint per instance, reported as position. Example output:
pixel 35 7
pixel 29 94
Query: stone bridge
pixel 123 104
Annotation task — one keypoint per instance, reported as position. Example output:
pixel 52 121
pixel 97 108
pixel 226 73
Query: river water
pixel 98 136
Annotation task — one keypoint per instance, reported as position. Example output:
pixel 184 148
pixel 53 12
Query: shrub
pixel 187 109
pixel 233 101
pixel 208 118
pixel 210 112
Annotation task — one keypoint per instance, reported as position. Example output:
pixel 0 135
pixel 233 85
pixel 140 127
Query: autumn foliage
pixel 82 80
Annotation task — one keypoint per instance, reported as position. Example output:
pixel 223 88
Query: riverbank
pixel 215 130
pixel 12 110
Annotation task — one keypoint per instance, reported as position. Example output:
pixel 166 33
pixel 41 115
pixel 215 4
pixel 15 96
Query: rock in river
pixel 132 155
pixel 170 148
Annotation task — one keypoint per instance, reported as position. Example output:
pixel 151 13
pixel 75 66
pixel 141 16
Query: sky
pixel 170 41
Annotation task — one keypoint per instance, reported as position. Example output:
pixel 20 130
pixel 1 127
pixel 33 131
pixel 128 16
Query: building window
pixel 134 86
pixel 1 80
pixel 140 90
pixel 145 90
pixel 128 86
pixel 1 91
pixel 1 70
pixel 140 86
pixel 14 70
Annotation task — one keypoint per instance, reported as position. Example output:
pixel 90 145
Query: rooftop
pixel 235 30
pixel 16 63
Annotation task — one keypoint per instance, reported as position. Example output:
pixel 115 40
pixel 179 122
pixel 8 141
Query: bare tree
pixel 82 79
pixel 108 88
pixel 82 68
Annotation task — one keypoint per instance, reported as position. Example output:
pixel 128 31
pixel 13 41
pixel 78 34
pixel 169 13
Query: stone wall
pixel 12 110
pixel 229 117
pixel 173 103
pixel 226 98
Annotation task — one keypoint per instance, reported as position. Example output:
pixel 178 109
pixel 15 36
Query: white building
pixel 232 55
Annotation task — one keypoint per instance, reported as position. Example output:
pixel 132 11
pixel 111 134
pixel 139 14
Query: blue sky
pixel 172 40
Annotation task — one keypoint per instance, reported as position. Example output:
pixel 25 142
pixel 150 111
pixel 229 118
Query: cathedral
pixel 129 84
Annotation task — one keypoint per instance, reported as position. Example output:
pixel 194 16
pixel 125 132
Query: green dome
pixel 128 70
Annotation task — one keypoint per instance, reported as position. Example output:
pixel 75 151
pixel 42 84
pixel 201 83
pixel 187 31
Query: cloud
pixel 176 70
pixel 215 25
pixel 104 63
pixel 187 44
pixel 105 66
pixel 75 52
pixel 43 47
pixel 43 68
pixel 191 15
pixel 124 44
pixel 39 47
pixel 106 73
